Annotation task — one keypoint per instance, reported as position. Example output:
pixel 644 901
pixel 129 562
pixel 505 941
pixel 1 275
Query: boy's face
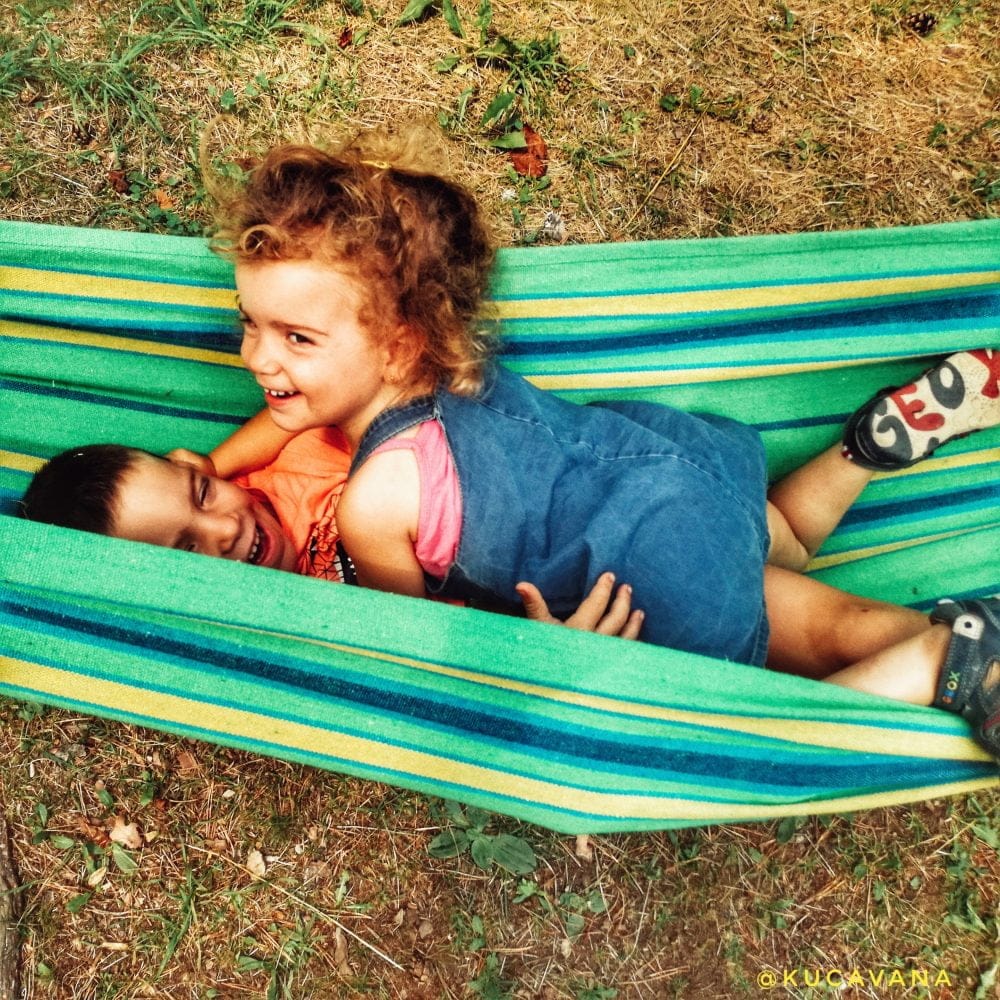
pixel 172 505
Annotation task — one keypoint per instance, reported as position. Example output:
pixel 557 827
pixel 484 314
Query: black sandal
pixel 970 677
pixel 905 425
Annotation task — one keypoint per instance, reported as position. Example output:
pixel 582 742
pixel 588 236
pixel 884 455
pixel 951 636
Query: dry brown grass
pixel 822 116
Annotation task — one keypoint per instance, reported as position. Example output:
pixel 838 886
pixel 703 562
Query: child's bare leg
pixel 908 671
pixel 894 430
pixel 950 659
pixel 809 503
pixel 817 630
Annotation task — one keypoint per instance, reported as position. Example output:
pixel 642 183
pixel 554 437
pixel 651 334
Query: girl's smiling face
pixel 175 506
pixel 304 342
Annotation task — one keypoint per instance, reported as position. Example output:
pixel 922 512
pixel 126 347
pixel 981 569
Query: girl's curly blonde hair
pixel 416 241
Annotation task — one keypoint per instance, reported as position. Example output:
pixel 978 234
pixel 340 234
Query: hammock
pixel 108 336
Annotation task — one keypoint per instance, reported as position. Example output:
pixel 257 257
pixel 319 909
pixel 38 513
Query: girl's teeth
pixel 277 394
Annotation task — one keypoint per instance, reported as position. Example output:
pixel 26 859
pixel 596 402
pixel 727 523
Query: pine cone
pixel 920 22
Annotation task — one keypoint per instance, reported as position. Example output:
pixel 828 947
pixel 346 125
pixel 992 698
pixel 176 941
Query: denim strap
pixel 389 423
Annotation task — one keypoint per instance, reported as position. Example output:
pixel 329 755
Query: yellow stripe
pixel 224 721
pixel 111 288
pixel 689 376
pixel 840 735
pixel 722 300
pixel 77 338
pixel 855 555
pixel 985 456
pixel 22 463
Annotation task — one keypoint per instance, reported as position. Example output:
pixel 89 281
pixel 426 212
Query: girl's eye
pixel 298 338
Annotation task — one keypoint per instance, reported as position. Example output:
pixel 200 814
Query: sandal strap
pixel 973 648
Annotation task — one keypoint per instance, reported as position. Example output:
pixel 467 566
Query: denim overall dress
pixel 557 493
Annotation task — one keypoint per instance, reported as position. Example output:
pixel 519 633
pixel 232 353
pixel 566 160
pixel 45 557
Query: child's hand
pixel 202 463
pixel 598 612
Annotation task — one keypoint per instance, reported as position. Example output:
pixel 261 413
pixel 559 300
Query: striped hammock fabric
pixel 108 336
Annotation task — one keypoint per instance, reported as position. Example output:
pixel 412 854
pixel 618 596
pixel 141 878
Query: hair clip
pixel 376 164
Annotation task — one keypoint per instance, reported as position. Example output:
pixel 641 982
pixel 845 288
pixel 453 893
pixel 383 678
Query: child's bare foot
pixel 899 427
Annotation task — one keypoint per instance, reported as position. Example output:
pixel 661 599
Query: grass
pixel 256 878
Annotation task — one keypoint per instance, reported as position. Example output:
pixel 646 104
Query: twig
pixel 10 913
pixel 671 166
pixel 312 909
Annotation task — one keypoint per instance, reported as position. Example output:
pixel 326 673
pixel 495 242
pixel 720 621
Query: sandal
pixel 902 426
pixel 970 677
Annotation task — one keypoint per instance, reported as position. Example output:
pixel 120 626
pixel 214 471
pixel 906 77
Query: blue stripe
pixel 908 508
pixel 200 334
pixel 951 312
pixel 449 714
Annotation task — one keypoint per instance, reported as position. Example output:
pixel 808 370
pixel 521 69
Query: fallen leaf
pixel 187 763
pixel 118 181
pixel 583 849
pixel 164 200
pixel 346 38
pixel 340 953
pixel 126 834
pixel 94 833
pixel 533 160
pixel 97 876
pixel 256 865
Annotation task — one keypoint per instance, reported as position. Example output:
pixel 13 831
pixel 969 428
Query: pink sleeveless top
pixel 439 524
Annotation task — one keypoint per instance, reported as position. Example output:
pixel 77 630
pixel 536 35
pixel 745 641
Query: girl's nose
pixel 258 355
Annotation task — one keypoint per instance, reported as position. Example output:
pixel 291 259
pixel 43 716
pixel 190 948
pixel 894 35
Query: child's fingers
pixel 535 607
pixel 618 614
pixel 633 626
pixel 182 456
pixel 593 609
pixel 598 612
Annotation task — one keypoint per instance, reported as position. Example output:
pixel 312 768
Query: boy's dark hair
pixel 79 488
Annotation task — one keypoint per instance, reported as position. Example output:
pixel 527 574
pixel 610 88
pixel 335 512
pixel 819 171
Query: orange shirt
pixel 303 485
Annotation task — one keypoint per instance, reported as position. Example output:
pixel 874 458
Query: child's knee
pixel 785 550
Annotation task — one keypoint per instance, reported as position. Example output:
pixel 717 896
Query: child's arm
pixel 377 517
pixel 253 446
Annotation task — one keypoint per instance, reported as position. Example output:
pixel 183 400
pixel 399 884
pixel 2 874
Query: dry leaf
pixel 532 161
pixel 187 763
pixel 340 953
pixel 163 199
pixel 255 864
pixel 583 849
pixel 96 877
pixel 126 834
pixel 118 181
pixel 95 834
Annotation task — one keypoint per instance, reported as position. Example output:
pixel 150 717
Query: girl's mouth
pixel 277 397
